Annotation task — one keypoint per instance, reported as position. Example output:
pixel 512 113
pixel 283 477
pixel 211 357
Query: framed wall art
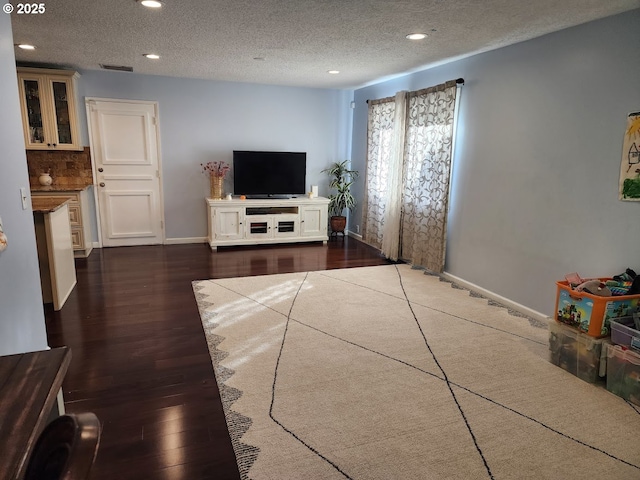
pixel 629 189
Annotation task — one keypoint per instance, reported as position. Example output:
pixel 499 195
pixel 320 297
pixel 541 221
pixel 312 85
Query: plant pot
pixel 338 224
pixel 45 179
pixel 216 187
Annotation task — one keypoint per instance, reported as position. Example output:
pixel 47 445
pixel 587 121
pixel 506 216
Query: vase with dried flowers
pixel 216 171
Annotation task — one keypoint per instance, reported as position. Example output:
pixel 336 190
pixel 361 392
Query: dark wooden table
pixel 29 385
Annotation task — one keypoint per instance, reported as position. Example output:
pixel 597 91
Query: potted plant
pixel 216 171
pixel 341 180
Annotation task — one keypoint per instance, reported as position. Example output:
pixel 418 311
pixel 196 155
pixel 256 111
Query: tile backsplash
pixel 66 167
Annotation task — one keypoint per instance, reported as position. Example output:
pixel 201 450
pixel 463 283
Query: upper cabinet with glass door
pixel 49 116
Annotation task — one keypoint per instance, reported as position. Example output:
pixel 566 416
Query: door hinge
pixel 157 173
pixel 162 224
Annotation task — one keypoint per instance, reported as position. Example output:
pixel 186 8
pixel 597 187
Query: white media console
pixel 252 222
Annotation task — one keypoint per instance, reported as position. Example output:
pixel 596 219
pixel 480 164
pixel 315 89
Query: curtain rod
pixel 459 83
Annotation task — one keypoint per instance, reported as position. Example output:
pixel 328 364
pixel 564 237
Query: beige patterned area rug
pixel 387 373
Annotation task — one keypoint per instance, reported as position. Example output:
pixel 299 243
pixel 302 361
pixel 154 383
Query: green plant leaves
pixel 341 180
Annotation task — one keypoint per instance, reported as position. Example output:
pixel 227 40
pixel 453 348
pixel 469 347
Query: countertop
pixel 30 383
pixel 47 204
pixel 59 188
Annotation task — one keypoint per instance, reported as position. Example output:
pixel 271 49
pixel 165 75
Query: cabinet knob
pixel 101 169
pixel 54 145
pixel 102 184
pixel 48 144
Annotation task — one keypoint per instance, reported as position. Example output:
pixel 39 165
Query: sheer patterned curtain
pixel 379 135
pixel 406 203
pixel 427 170
pixel 392 214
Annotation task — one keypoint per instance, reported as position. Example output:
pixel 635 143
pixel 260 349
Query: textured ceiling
pixel 299 40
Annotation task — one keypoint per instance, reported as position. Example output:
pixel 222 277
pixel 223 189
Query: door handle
pixel 101 169
pixel 102 184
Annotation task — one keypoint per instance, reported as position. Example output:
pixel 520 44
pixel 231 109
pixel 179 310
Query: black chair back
pixel 66 448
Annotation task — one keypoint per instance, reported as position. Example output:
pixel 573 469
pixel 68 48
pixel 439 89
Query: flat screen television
pixel 269 174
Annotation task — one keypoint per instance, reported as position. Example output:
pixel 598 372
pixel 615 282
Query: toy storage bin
pixel 623 373
pixel 624 333
pixel 591 313
pixel 576 352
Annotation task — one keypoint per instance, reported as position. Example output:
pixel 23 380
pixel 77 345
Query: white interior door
pixel 124 142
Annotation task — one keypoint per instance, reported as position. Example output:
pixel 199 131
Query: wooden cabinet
pixel 79 218
pixel 272 226
pixel 55 252
pixel 227 224
pixel 250 222
pixel 49 115
pixel 313 220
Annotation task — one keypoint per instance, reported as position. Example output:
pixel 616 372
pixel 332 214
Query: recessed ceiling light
pixel 152 56
pixel 416 36
pixel 151 3
pixel 333 72
pixel 26 46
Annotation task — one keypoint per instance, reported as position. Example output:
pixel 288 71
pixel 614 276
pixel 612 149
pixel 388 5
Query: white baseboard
pixel 181 241
pixel 498 298
pixel 171 241
pixel 354 235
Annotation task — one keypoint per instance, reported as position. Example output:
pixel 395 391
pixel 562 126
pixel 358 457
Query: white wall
pixel 22 327
pixel 534 189
pixel 204 120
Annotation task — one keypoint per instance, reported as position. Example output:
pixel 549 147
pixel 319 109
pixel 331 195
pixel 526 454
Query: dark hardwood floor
pixel 140 360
